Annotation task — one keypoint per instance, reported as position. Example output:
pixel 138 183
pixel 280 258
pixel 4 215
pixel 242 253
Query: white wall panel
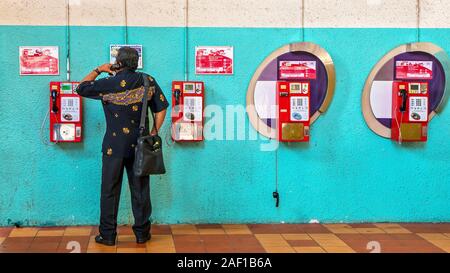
pixel 229 13
pixel 435 13
pixel 361 13
pixel 248 13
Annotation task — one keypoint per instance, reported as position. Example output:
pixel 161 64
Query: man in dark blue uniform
pixel 121 96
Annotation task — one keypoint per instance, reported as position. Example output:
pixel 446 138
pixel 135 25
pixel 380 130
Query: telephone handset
pixel 114 68
pixel 276 195
pixel 54 95
pixel 177 95
pixel 404 100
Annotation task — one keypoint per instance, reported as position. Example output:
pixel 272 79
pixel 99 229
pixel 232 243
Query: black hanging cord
pixel 275 194
pixel 186 41
pixel 303 20
pixel 126 21
pixel 418 21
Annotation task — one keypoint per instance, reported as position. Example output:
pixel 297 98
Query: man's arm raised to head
pixel 89 87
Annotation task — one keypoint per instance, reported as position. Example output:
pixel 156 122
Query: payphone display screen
pixel 189 88
pixel 414 88
pixel 295 88
pixel 66 88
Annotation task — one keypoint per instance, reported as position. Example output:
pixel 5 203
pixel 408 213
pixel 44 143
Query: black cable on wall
pixel 418 7
pixel 303 19
pixel 186 41
pixel 68 39
pixel 126 21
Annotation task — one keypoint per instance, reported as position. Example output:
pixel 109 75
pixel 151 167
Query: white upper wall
pixel 95 12
pixel 434 13
pixel 228 13
pixel 248 13
pixel 159 13
pixel 22 12
pixel 361 13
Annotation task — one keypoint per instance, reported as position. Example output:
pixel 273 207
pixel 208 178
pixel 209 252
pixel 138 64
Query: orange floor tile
pixel 238 238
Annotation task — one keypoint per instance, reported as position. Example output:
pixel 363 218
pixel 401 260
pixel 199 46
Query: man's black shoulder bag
pixel 148 152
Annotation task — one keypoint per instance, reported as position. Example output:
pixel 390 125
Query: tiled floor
pixel 261 238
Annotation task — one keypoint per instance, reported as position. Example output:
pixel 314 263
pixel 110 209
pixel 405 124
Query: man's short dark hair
pixel 128 57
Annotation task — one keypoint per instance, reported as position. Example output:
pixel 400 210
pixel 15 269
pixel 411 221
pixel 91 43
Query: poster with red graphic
pixel 414 70
pixel 297 70
pixel 39 60
pixel 214 60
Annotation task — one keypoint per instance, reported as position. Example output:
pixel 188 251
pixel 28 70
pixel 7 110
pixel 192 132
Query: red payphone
pixel 410 106
pixel 65 112
pixel 293 100
pixel 187 110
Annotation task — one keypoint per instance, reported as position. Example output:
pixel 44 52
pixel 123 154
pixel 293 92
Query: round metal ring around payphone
pixel 377 93
pixel 261 105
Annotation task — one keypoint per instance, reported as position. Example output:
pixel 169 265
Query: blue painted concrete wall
pixel 346 173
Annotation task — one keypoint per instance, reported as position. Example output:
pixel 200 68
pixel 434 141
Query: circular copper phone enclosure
pixel 311 48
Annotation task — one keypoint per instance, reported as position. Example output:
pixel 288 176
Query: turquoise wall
pixel 346 173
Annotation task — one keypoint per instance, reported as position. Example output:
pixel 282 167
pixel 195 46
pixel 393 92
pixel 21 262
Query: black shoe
pixel 100 240
pixel 143 239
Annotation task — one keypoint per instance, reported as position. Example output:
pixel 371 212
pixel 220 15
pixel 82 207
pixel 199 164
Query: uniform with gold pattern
pixel 121 96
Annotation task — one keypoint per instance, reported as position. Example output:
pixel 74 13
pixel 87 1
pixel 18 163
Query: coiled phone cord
pixel 41 131
pixel 168 136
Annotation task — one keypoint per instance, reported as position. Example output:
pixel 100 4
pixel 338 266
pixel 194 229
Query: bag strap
pixel 145 106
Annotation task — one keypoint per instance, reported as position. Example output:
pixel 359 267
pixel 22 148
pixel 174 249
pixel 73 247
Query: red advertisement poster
pixel 39 60
pixel 214 60
pixel 414 70
pixel 297 70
